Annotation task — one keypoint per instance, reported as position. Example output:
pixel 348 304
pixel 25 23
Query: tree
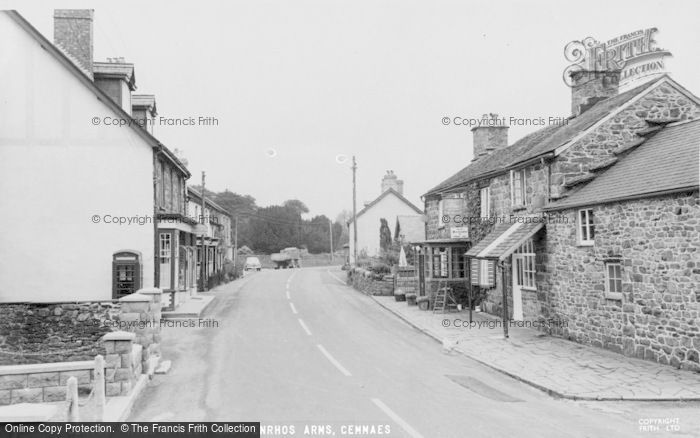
pixel 240 206
pixel 316 235
pixel 384 235
pixel 274 228
pixel 342 219
pixel 296 205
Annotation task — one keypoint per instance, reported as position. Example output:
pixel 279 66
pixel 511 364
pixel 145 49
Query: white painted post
pixel 72 399
pixel 99 387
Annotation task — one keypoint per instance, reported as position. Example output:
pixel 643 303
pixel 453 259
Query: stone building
pixel 529 257
pixel 634 286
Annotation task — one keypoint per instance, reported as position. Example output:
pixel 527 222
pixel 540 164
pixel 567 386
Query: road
pixel 297 348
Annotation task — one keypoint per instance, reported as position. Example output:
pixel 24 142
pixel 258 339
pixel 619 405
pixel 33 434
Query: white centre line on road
pixel 394 416
pixel 332 360
pixel 294 309
pixel 306 329
pixel 288 297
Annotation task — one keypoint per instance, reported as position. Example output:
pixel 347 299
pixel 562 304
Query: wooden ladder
pixel 443 299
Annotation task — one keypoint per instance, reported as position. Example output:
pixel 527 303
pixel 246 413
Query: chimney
pixel 491 134
pixel 72 32
pixel 590 87
pixel 390 181
pixel 117 79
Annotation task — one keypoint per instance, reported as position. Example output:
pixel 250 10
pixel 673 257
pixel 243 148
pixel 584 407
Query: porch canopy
pixel 498 245
pixel 505 239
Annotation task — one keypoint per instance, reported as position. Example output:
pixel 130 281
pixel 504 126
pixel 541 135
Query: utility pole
pixel 330 229
pixel 203 258
pixel 235 243
pixel 354 209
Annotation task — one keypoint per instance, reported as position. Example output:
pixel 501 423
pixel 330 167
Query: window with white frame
pixel 525 268
pixel 441 208
pixel 586 229
pixel 518 188
pixel 439 260
pixel 613 277
pixel 165 248
pixel 485 194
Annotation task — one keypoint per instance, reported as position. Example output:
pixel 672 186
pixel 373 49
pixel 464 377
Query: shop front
pixel 441 264
pixel 176 245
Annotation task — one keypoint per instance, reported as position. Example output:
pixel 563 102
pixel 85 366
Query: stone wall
pixel 58 332
pixel 433 221
pixel 657 241
pixel 123 363
pixel 40 383
pixel 661 103
pixel 141 315
pixel 362 280
pixel 37 340
pixel 45 383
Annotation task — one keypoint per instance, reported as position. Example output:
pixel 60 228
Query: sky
pixel 297 85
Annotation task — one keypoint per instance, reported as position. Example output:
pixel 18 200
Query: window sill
pixel 586 243
pixel 616 296
pixel 529 289
pixel 519 208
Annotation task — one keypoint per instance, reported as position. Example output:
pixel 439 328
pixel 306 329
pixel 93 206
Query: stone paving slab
pixel 559 367
pixel 192 308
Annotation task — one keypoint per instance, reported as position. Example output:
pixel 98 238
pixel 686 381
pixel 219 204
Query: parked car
pixel 252 264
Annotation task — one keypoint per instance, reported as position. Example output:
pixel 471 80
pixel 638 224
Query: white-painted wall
pixel 369 222
pixel 58 170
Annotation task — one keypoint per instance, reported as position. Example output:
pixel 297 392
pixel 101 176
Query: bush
pixel 380 268
pixel 461 294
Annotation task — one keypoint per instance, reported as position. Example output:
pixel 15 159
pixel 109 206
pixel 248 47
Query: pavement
pixel 192 308
pixel 559 367
pixel 304 354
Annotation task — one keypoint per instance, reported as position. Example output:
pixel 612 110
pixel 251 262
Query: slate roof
pixel 539 143
pixel 664 163
pixel 504 239
pixel 197 194
pixel 384 195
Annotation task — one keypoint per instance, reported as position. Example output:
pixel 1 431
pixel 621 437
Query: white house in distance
pixel 68 179
pixel 392 206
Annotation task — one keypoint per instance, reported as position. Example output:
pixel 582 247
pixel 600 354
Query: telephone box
pixel 127 273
